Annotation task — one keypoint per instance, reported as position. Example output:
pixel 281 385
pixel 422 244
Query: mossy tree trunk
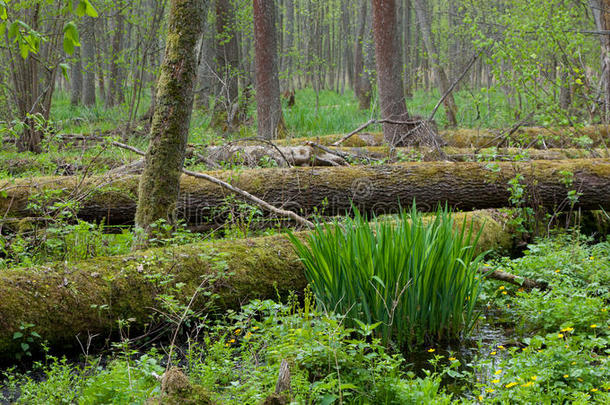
pixel 270 119
pixel 160 181
pixel 63 301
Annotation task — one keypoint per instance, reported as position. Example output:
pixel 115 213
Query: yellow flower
pixel 510 385
pixel 592 258
pixel 248 334
pixel 480 397
pixel 501 347
pixel 520 290
pixel 254 327
pixel 507 305
pixel 528 384
pixel 493 353
pixel 504 292
pixel 594 326
pixel 557 271
pixel 226 344
pixel 573 363
pixel 489 390
pixel 237 331
pixel 431 350
pixel 495 381
pixel 560 335
pixel 568 329
pixel 232 341
pixel 593 389
pixel 452 359
pixel 534 377
pixel 498 372
pixel 501 288
pixel 579 379
pixel 566 375
pixel 604 309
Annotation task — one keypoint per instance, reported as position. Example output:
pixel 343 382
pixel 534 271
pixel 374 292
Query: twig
pixel 284 213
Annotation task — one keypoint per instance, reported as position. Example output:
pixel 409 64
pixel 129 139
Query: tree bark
pixel 88 60
pixel 227 64
pixel 115 92
pixel 362 79
pixel 63 301
pixel 331 191
pixel 160 182
pixel 76 79
pixel 433 55
pixel 387 51
pixel 268 106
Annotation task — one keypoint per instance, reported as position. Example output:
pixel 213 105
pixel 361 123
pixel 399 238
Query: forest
pixel 277 202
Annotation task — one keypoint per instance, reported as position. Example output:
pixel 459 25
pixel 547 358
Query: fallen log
pixel 533 137
pixel 331 191
pixel 87 298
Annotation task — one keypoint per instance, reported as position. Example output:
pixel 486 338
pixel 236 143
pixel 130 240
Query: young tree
pixel 433 55
pixel 160 181
pixel 87 29
pixel 601 13
pixel 362 79
pixel 227 65
pixel 268 106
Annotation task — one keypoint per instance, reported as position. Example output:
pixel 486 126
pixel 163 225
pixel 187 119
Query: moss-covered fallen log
pixel 331 190
pixel 67 300
pixel 534 137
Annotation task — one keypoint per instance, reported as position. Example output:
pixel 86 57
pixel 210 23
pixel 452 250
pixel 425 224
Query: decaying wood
pixel 332 190
pixel 244 194
pixel 64 300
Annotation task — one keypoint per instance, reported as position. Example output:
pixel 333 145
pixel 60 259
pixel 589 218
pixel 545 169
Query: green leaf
pixel 13 30
pixel 328 399
pixel 25 347
pixel 81 9
pixel 64 71
pixel 17 335
pixel 90 10
pixel 68 45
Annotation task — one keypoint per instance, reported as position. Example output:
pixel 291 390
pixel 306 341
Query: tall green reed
pixel 416 275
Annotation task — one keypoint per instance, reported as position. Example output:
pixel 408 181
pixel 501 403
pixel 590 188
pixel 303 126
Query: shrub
pixel 415 276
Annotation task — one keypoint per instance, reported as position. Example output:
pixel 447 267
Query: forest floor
pixel 550 346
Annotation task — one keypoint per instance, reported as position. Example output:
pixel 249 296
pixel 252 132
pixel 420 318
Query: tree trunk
pixel 160 182
pixel 439 71
pixel 76 79
pixel 115 90
pixel 389 80
pixel 288 44
pixel 362 79
pixel 331 190
pixel 268 106
pixel 63 301
pixel 88 60
pixel 601 14
pixel 227 64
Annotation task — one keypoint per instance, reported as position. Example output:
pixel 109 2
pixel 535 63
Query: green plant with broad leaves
pixel 415 275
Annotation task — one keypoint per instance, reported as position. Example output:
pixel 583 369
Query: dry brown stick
pixel 524 282
pixel 355 131
pixel 284 213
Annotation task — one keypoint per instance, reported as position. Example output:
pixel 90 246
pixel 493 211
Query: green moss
pixel 89 297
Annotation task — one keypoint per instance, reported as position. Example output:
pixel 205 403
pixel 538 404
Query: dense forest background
pixel 529 62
